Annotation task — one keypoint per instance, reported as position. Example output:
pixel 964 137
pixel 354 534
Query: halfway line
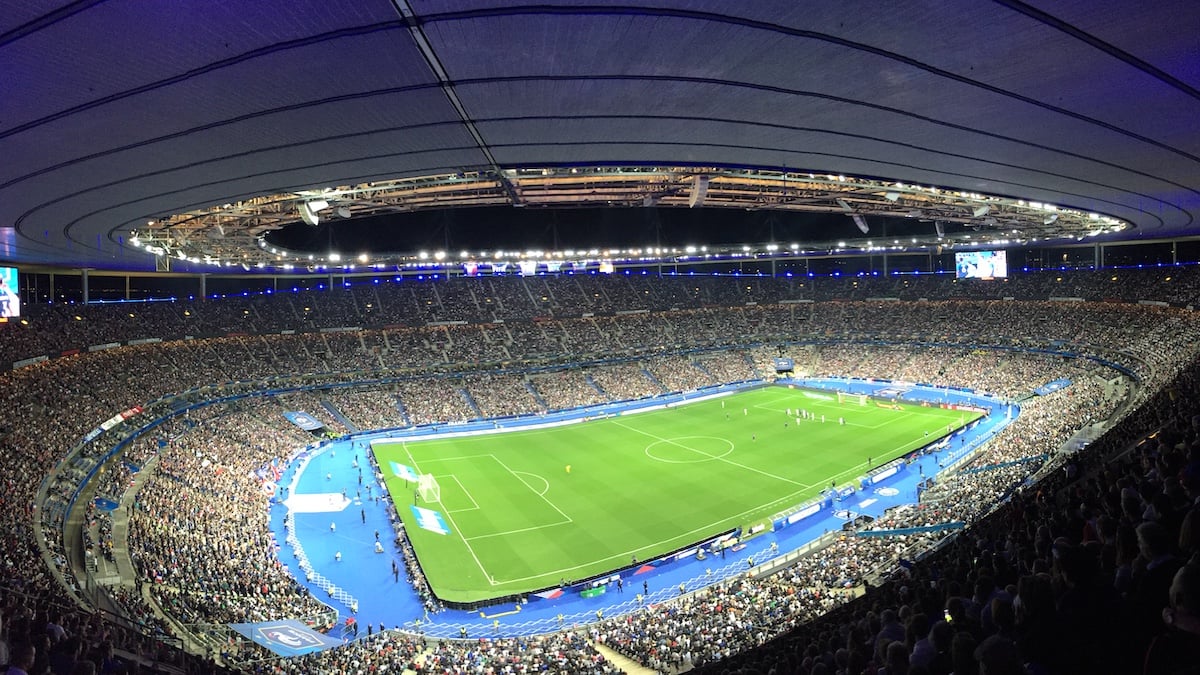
pixel 719 459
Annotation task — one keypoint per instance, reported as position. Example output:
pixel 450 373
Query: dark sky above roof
pixel 489 228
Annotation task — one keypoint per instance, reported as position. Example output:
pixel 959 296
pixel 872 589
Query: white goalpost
pixel 843 397
pixel 428 488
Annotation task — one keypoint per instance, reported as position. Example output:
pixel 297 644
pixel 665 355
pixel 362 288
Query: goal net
pixel 860 399
pixel 428 488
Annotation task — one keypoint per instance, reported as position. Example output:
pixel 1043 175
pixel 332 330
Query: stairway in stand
pixel 626 664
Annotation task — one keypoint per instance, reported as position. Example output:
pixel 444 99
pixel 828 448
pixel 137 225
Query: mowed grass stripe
pixel 640 485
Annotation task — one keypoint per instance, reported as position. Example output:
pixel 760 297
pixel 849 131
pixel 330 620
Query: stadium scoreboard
pixel 981 264
pixel 10 301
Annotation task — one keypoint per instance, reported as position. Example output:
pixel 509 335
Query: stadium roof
pixel 202 126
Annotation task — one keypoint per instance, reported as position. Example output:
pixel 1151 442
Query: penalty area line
pixel 523 529
pixel 475 504
pixel 470 549
pixel 449 516
pixel 530 488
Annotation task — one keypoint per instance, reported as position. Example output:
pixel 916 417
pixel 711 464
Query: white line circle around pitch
pixel 680 447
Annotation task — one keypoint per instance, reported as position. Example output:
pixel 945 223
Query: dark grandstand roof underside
pixel 118 112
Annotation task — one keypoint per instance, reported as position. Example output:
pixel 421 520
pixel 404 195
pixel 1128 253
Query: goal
pixel 428 488
pixel 860 399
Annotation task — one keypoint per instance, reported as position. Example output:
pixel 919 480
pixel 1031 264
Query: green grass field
pixel 639 485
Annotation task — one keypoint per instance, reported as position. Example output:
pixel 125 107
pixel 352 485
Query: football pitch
pixel 528 509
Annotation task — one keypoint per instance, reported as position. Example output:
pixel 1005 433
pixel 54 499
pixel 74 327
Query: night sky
pixel 505 227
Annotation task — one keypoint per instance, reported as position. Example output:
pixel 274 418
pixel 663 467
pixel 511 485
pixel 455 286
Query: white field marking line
pixel 410 457
pixel 544 498
pixel 689 535
pixel 457 457
pixel 453 524
pixel 719 459
pixel 517 531
pixel 493 457
pixel 898 448
pixel 840 406
pixel 888 421
pixel 909 407
pixel 911 411
pixel 907 411
pixel 833 405
pixel 524 473
pixel 468 494
pixel 544 482
pixel 536 428
pixel 766 405
pixel 917 411
pixel 532 429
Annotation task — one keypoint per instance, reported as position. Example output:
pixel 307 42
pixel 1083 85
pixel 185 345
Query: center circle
pixel 689 449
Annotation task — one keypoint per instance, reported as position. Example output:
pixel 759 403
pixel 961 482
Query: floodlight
pixel 308 211
pixel 308 216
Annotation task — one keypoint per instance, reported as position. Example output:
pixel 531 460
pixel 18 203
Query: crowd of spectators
pixel 204 487
pixel 312 403
pixel 393 651
pixel 176 537
pixel 433 401
pixel 565 652
pixel 41 634
pixel 817 584
pixel 677 373
pixel 732 365
pixel 510 394
pixel 368 408
pixel 413 573
pixel 1106 327
pixel 132 604
pixel 567 388
pixel 52 329
pixel 1093 569
pixel 746 613
pixel 626 382
pixel 540 340
pixel 501 395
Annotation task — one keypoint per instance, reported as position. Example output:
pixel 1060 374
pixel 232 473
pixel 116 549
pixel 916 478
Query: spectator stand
pixel 531 625
pixel 1164 339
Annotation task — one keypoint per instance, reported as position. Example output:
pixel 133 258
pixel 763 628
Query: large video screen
pixel 981 264
pixel 10 302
